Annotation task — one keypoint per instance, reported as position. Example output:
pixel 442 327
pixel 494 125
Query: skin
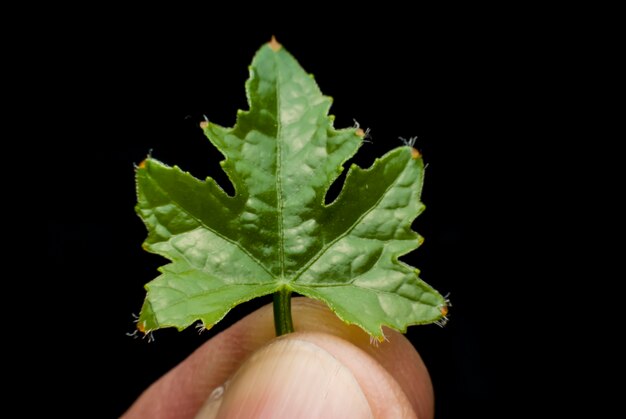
pixel 391 375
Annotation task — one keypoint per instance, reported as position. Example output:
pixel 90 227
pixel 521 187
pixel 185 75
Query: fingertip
pixel 291 378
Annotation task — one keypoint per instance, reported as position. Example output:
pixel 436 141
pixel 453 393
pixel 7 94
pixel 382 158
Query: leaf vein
pixel 201 223
pixel 323 250
pixel 279 182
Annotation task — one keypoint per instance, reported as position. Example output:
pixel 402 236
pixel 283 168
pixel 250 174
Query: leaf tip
pixel 376 339
pixel 204 124
pixel 415 154
pixel 360 132
pixel 202 327
pixel 274 44
pixel 444 309
pixel 142 165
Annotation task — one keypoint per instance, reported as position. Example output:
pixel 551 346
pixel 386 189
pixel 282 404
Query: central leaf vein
pixel 279 181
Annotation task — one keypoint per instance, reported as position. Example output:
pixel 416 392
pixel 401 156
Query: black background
pixel 145 84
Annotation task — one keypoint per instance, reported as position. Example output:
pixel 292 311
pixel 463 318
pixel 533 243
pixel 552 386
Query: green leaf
pixel 276 233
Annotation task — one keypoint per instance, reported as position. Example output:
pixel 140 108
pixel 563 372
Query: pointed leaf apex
pixel 274 44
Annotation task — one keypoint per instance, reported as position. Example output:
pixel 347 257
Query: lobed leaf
pixel 276 232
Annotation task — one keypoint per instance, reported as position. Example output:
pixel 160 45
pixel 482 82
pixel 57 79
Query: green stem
pixel 282 312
